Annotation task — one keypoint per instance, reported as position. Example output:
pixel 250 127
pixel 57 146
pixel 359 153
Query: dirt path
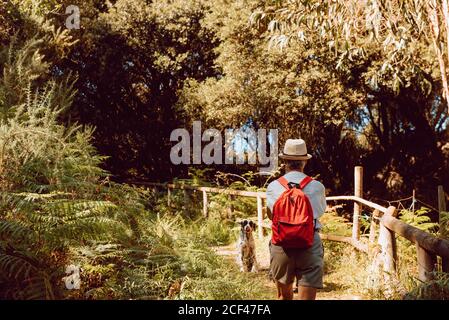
pixel 333 290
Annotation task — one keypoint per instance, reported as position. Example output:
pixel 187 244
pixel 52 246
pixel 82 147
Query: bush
pixel 58 208
pixel 436 289
pixel 215 231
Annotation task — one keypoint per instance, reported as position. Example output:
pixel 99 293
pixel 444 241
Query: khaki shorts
pixel 304 264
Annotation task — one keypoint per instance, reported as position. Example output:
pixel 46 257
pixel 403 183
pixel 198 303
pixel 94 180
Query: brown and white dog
pixel 247 247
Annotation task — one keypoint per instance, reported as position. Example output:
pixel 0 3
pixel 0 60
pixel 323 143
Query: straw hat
pixel 295 149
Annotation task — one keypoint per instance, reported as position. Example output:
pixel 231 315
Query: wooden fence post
pixel 186 199
pixel 358 192
pixel 168 197
pixel 264 208
pixel 205 214
pixel 260 217
pixel 231 206
pixel 387 242
pixel 443 230
pixel 426 263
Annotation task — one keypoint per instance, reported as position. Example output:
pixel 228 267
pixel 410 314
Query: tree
pixel 131 59
pixel 295 91
pixel 351 28
pixel 384 50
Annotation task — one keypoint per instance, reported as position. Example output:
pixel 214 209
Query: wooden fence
pixel 428 246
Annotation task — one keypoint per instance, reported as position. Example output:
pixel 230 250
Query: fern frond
pixel 15 267
pixel 14 229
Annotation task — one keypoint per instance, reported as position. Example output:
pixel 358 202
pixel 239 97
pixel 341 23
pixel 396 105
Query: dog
pixel 247 247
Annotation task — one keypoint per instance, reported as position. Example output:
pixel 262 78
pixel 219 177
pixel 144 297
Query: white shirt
pixel 315 191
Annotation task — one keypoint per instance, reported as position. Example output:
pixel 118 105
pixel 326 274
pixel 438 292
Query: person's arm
pixel 270 201
pixel 269 214
pixel 322 200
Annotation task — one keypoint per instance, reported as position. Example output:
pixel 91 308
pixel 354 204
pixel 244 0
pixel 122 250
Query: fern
pixel 407 264
pixel 46 226
pixel 335 224
pixel 419 219
pixel 52 190
pixel 435 289
pixel 58 207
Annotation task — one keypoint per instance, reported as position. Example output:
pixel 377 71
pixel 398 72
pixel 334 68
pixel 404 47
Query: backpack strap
pixel 305 182
pixel 302 185
pixel 284 182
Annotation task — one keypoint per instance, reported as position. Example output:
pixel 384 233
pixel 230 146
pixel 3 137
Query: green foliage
pixel 146 49
pixel 263 84
pixel 444 225
pixel 198 177
pixel 419 219
pixel 406 250
pixel 435 289
pixel 34 235
pixel 173 62
pixel 53 193
pixel 335 224
pixel 172 261
pixel 396 30
pixel 215 231
pixel 353 271
pixel 36 151
pixel 407 264
pixel 381 59
pixel 58 208
pixel 46 170
pixel 169 63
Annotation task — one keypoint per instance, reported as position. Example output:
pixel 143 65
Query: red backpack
pixel 293 217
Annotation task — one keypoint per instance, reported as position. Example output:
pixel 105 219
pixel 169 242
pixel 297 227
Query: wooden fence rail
pixel 428 246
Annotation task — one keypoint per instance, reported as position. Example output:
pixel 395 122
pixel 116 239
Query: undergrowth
pixel 63 220
pixel 173 262
pixel 351 271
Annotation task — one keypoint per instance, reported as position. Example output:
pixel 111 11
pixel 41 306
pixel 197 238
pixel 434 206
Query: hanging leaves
pixel 348 26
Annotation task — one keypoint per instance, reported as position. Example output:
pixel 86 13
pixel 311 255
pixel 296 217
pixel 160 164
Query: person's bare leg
pixel 285 291
pixel 306 293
